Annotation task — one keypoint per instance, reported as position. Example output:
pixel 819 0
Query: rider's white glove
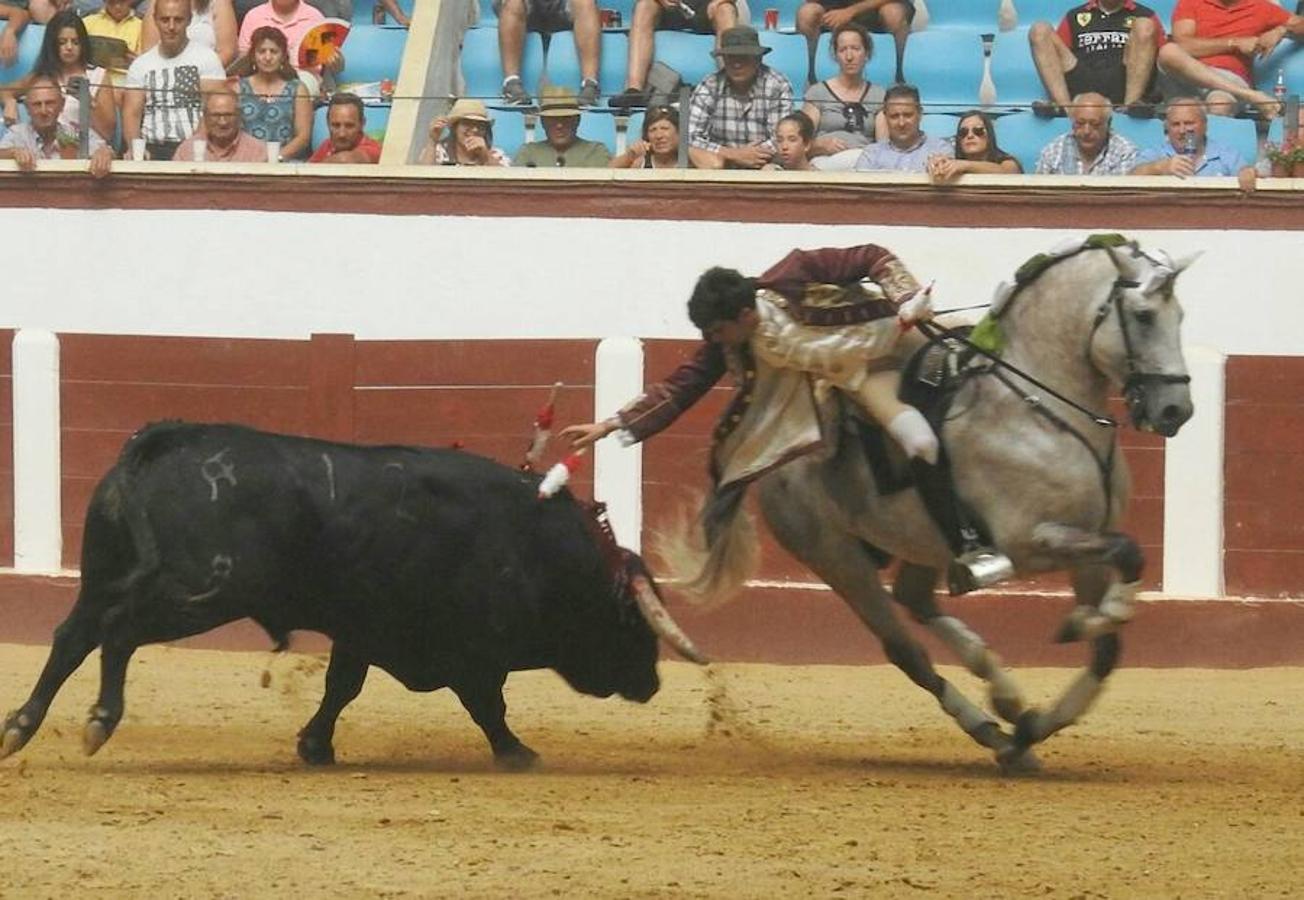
pixel 919 308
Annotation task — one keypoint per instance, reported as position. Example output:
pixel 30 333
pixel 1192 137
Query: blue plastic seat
pixel 687 53
pixel 882 63
pixel 970 14
pixel 1288 58
pixel 946 64
pixel 1238 133
pixel 1023 135
pixel 939 125
pixel 482 68
pixel 509 129
pixel 597 126
pixel 563 64
pixel 29 47
pixel 1142 132
pixel 373 53
pixel 1013 71
pixel 789 54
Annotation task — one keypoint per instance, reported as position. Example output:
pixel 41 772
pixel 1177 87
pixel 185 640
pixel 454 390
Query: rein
pixel 1133 386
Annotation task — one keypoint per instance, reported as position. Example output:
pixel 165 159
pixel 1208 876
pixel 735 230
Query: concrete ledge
pixel 802 626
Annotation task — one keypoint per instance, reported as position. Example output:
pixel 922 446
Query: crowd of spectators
pixel 217 80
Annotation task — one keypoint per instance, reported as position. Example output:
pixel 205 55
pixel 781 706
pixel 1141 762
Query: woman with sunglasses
pixel 976 151
pixel 845 109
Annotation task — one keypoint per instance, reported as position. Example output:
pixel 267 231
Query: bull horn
pixel 1184 262
pixel 661 622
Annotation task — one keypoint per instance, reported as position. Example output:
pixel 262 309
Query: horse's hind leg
pixel 74 639
pixel 914 589
pixel 842 562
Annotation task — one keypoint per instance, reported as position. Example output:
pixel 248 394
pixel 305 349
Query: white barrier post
pixel 617 470
pixel 1193 485
pixel 38 521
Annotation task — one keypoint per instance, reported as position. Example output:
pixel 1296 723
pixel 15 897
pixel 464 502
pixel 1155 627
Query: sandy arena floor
pixel 820 781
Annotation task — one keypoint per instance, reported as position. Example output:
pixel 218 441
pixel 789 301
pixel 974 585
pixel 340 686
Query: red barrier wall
pixel 1264 494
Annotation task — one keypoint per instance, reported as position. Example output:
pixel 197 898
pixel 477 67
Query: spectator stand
pixel 29 47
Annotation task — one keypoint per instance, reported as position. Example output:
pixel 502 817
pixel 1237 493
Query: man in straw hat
pixel 469 141
pixel 733 113
pixel 560 113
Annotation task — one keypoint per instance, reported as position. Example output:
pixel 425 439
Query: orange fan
pixel 322 43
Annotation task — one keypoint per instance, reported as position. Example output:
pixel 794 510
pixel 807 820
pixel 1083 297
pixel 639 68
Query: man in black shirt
pixel 1103 46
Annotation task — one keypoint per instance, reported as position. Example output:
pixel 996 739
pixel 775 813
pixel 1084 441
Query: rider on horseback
pixel 807 319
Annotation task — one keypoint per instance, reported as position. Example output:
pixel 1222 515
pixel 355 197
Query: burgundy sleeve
pixel 1065 35
pixel 664 402
pixel 828 265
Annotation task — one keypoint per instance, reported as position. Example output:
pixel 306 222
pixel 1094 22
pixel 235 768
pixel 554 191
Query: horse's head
pixel 1136 339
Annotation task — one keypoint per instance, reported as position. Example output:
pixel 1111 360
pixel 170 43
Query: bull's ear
pixel 1182 263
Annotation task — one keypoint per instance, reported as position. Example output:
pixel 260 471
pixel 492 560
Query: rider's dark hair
pixel 720 296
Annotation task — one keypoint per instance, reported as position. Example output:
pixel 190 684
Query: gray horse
pixel 1040 471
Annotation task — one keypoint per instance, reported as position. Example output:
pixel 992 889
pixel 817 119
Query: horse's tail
pixel 708 557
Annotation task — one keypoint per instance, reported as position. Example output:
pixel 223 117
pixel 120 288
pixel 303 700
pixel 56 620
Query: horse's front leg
pixel 1104 602
pixel 1106 572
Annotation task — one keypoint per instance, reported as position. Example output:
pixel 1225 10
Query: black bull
pixel 443 568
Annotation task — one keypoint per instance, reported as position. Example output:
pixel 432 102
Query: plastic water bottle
pixel 1279 89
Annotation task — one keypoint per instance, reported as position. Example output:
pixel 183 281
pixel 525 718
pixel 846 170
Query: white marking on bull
pixel 399 511
pixel 222 566
pixel 330 474
pixel 216 469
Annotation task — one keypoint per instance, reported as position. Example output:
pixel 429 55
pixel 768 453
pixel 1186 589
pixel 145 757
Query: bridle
pixel 1134 386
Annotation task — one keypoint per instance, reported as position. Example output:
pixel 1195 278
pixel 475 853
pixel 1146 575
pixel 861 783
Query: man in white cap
pixel 734 112
pixel 559 112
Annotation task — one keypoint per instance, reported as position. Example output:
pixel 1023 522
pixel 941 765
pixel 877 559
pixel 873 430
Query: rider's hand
pixel 584 435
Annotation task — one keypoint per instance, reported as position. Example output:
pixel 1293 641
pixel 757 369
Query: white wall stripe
pixel 38 535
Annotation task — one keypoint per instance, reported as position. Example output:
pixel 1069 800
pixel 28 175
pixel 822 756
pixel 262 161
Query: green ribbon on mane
pixel 988 334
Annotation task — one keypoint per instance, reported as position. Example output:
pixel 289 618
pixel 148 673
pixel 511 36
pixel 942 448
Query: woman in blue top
pixel 274 103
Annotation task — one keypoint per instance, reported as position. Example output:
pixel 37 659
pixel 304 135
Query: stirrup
pixel 977 568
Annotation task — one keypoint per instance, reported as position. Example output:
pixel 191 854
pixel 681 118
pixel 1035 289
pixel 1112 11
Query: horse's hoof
pixel 1018 761
pixel 316 752
pixel 94 736
pixel 519 759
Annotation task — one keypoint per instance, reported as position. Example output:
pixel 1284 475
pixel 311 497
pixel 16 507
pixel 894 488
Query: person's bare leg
pixel 511 36
pixel 588 36
pixel 1139 58
pixel 897 23
pixel 1053 60
pixel 1177 62
pixel 808 23
pixel 723 15
pixel 642 42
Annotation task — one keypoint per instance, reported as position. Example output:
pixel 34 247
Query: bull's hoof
pixel 518 759
pixel 95 734
pixel 17 732
pixel 316 752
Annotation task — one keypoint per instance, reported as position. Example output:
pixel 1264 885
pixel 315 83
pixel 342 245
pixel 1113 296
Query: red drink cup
pixel 608 18
pixel 771 19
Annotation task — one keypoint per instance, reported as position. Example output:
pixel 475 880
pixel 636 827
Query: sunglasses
pixel 975 131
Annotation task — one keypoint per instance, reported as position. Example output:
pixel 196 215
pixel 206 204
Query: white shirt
pixel 172 90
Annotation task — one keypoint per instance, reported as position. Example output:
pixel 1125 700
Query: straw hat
pixel 466 108
pixel 555 100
